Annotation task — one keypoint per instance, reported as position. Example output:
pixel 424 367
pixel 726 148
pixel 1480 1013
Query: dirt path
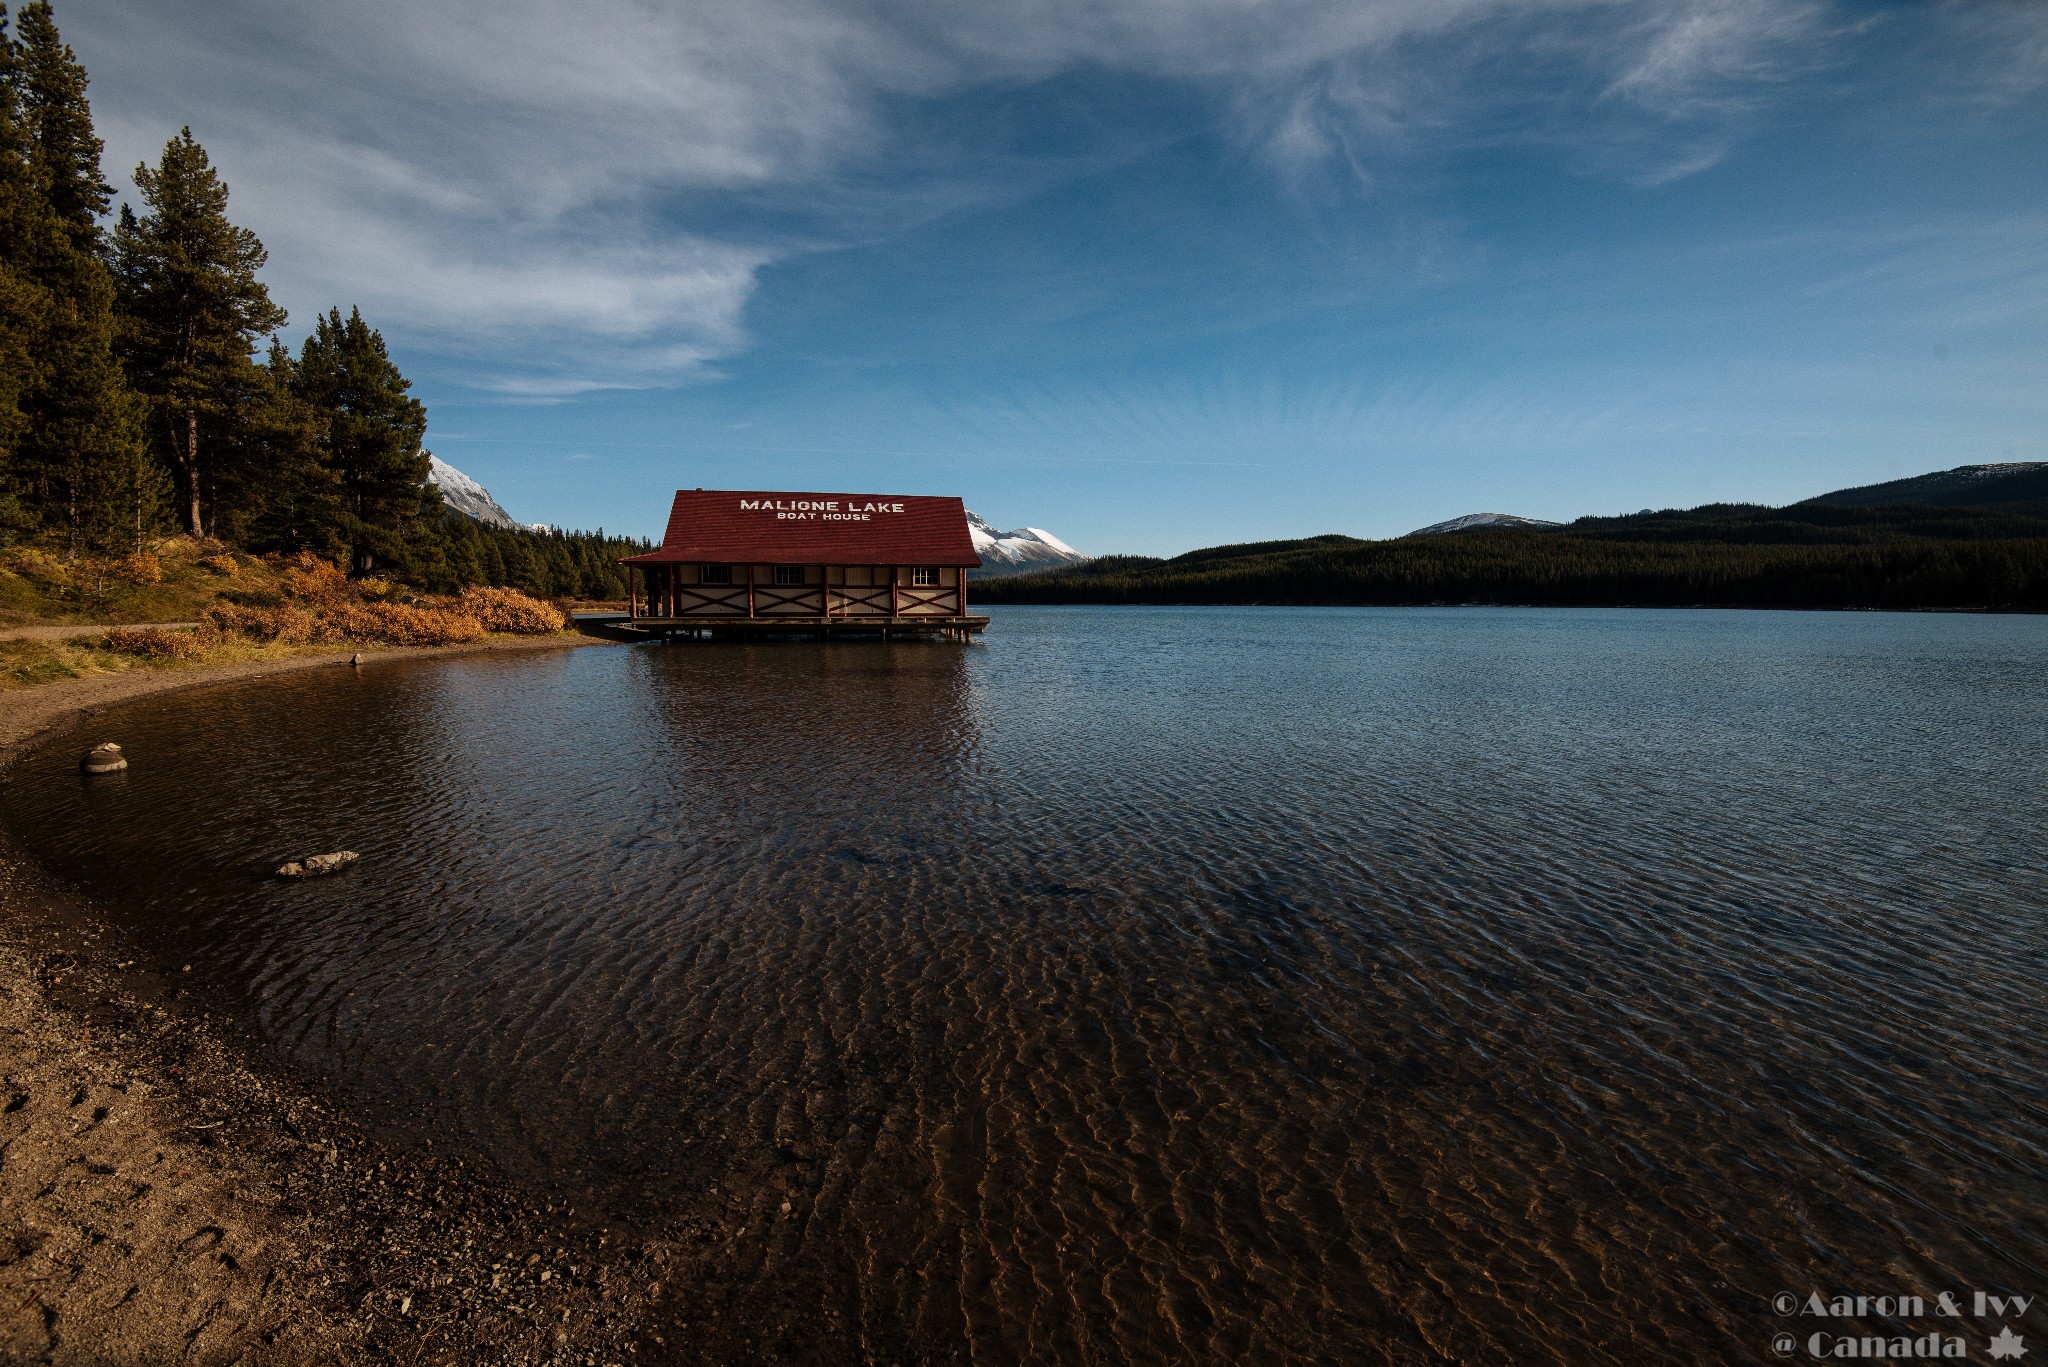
pixel 74 631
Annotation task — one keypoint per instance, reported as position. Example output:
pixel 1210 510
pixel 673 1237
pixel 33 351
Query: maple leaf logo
pixel 2008 1344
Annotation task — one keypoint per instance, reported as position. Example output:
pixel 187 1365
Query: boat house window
pixel 789 574
pixel 717 574
pixel 925 577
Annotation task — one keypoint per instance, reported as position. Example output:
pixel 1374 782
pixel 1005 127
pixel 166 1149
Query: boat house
pixel 735 563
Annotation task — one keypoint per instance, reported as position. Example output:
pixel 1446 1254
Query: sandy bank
pixel 165 1199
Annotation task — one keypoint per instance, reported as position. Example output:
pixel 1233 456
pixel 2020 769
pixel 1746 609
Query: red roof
pixel 732 526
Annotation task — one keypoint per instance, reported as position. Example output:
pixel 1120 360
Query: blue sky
pixel 1153 274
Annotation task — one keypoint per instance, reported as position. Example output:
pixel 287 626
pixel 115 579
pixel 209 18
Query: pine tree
pixel 66 150
pixel 84 443
pixel 463 561
pixel 492 557
pixel 561 568
pixel 21 301
pixel 369 433
pixel 76 423
pixel 519 567
pixel 274 492
pixel 195 309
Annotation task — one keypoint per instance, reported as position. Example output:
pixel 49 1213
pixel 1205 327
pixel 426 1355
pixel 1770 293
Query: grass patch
pixel 272 608
pixel 175 581
pixel 23 664
pixel 185 580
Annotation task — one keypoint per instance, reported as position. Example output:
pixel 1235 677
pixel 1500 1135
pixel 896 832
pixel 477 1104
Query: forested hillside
pixel 145 395
pixel 1808 556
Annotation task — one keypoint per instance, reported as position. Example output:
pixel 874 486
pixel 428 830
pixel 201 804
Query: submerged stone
pixel 313 865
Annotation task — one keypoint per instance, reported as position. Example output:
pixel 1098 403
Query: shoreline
pixel 166 1195
pixel 32 713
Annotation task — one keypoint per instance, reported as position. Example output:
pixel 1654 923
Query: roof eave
pixel 691 557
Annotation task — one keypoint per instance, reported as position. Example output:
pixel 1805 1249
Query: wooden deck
pixel 784 624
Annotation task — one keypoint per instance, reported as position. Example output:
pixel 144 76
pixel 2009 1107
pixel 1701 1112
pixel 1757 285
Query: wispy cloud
pixel 1705 56
pixel 557 195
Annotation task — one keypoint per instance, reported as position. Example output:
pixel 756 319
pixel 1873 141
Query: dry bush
pixel 308 576
pixel 157 643
pixel 397 624
pixel 427 626
pixel 510 610
pixel 222 564
pixel 284 624
pixel 344 623
pixel 140 568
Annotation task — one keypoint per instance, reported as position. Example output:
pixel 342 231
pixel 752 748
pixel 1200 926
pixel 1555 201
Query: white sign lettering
pixel 819 509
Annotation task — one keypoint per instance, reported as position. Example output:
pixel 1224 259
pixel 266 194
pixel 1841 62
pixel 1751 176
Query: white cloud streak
pixel 501 181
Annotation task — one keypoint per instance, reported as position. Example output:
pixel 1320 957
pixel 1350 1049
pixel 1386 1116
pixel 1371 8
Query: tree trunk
pixel 190 461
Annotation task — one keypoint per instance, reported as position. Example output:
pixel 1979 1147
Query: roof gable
pixel 739 526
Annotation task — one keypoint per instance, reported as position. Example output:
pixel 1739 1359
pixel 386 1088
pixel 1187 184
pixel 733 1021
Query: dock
pixel 619 626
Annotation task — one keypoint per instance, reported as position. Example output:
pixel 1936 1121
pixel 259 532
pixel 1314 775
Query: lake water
pixel 1163 985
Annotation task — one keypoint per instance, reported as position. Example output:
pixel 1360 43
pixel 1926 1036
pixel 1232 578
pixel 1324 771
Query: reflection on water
pixel 1173 985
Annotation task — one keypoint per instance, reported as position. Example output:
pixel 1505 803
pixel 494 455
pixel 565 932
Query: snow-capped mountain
pixel 1471 521
pixel 1027 548
pixel 466 496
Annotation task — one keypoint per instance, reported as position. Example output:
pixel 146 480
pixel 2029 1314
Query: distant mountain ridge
pixel 1966 486
pixel 2003 485
pixel 1473 521
pixel 1974 538
pixel 466 496
pixel 1019 552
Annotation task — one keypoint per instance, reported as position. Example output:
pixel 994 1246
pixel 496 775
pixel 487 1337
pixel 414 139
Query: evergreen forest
pixel 1810 555
pixel 145 393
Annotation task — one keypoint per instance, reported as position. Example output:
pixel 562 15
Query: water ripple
pixel 1162 986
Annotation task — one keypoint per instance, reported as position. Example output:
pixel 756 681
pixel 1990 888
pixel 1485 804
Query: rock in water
pixel 313 865
pixel 104 759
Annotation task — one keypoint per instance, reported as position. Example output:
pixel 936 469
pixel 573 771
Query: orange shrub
pixel 308 576
pixel 141 568
pixel 345 623
pixel 222 564
pixel 397 624
pixel 284 624
pixel 510 610
pixel 157 643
